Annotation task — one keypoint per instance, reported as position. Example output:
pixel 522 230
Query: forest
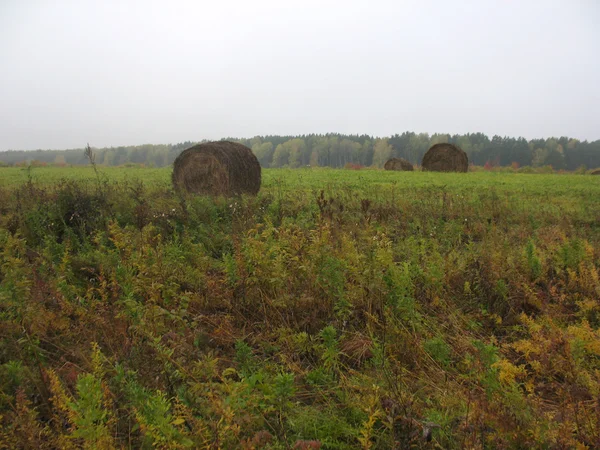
pixel 338 150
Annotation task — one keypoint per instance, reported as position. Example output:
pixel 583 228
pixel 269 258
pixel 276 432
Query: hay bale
pixel 217 168
pixel 445 158
pixel 595 172
pixel 398 164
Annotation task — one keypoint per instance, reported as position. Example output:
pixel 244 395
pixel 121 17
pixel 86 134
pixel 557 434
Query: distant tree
pixel 439 139
pixel 321 147
pixel 121 154
pixel 281 156
pixel 349 151
pixel 336 150
pixel 400 144
pixel 109 158
pixel 381 152
pixel 256 140
pixel 264 153
pixel 417 147
pixel 297 150
pixel 137 156
pixel 556 159
pixel 366 153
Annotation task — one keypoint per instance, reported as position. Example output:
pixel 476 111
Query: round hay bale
pixel 445 158
pixel 398 164
pixel 217 168
pixel 595 172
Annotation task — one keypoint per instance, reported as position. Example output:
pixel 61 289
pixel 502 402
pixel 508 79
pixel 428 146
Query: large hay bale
pixel 445 158
pixel 398 164
pixel 217 168
pixel 595 172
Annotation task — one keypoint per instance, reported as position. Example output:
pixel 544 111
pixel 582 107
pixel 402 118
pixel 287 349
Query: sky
pixel 119 72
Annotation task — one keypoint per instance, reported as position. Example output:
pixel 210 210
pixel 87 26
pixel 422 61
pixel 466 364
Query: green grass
pixel 13 176
pixel 333 179
pixel 338 308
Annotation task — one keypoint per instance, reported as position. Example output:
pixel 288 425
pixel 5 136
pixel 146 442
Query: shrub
pixel 526 169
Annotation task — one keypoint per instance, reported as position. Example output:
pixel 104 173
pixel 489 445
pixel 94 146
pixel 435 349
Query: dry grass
pixel 217 168
pixel 445 158
pixel 398 164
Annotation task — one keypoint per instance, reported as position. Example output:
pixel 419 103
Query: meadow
pixel 338 309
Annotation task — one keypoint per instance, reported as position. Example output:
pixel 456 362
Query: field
pixel 338 309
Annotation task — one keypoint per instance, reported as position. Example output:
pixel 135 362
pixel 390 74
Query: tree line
pixel 338 150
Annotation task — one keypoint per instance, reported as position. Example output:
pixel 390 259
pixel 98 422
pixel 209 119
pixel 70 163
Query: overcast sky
pixel 131 72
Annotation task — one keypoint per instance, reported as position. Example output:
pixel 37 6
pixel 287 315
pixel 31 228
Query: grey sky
pixel 132 72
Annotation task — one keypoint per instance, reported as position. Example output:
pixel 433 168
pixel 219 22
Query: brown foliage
pixel 217 168
pixel 445 158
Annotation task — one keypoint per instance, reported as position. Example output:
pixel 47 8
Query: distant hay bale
pixel 398 164
pixel 595 172
pixel 445 158
pixel 217 168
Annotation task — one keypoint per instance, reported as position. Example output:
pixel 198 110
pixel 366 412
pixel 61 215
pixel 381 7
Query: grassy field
pixel 337 309
pixel 329 179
